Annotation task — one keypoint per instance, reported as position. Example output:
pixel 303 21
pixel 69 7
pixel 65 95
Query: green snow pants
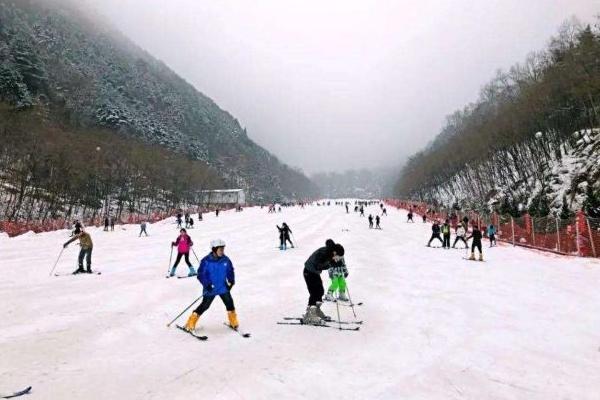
pixel 338 282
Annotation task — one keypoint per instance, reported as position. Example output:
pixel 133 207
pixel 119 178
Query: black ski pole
pixel 56 263
pixel 350 298
pixel 187 308
pixel 337 305
pixel 193 251
pixel 170 258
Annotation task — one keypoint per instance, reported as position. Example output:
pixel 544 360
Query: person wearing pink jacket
pixel 184 244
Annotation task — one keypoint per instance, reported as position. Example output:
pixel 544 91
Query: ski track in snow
pixel 523 325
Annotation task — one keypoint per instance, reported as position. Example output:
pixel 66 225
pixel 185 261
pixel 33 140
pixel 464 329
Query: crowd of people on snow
pixel 217 276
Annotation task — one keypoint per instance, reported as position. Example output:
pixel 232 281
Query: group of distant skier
pixel 217 276
pixel 443 234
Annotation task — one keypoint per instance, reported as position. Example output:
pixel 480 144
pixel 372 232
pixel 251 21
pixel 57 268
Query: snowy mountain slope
pixel 561 179
pixel 522 325
pixel 86 74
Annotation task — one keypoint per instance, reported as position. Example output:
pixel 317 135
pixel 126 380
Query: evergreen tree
pixel 591 205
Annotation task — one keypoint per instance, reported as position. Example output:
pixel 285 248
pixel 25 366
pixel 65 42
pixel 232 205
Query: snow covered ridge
pixel 578 235
pixel 536 176
pixel 88 75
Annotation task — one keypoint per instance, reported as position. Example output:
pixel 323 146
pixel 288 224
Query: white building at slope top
pixel 223 197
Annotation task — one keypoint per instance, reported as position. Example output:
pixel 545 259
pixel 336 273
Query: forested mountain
pixel 76 75
pixel 529 142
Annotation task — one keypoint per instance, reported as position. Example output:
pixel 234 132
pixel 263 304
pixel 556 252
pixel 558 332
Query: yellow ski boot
pixel 190 325
pixel 233 322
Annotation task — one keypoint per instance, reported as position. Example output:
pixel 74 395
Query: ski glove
pixel 209 287
pixel 230 285
pixel 345 275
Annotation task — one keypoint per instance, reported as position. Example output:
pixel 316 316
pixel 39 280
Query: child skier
pixel 217 277
pixel 410 217
pixel 476 235
pixel 85 241
pixel 143 229
pixel 460 235
pixel 435 233
pixel 370 221
pixel 321 259
pixel 338 275
pixel 446 233
pixel 184 244
pixel 377 220
pixel 491 232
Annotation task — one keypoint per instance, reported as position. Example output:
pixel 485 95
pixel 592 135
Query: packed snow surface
pixel 522 325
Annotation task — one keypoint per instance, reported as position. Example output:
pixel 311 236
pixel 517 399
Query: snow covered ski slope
pixel 522 325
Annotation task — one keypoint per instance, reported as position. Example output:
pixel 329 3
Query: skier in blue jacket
pixel 217 277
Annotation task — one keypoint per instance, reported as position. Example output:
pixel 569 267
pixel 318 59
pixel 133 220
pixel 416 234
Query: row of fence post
pixel 585 237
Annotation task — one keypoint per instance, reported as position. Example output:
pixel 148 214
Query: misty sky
pixel 333 85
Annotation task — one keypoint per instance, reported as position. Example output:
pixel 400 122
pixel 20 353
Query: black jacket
pixel 319 260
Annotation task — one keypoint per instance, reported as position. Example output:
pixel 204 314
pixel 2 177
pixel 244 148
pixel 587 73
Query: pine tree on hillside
pixel 591 205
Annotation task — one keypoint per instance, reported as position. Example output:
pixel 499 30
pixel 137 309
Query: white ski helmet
pixel 217 243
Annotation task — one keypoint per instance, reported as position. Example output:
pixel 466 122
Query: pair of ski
pixel 330 323
pixel 16 394
pixel 182 277
pixel 345 304
pixel 79 273
pixel 204 337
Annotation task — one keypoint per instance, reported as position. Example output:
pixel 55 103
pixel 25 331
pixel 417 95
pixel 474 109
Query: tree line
pixel 50 170
pixel 492 143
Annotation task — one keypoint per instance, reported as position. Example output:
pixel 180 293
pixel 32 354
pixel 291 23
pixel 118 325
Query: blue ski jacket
pixel 216 275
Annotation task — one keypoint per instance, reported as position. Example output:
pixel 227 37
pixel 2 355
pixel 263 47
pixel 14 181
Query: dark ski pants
pixel 207 301
pixel 287 239
pixel 143 230
pixel 315 288
pixel 435 236
pixel 476 245
pixel 187 259
pixel 446 241
pixel 492 240
pixel 462 239
pixel 87 254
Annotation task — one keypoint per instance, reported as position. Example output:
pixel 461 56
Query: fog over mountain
pixel 336 85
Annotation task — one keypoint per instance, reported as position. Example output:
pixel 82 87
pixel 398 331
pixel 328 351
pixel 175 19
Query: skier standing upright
pixel 435 233
pixel 446 234
pixel 184 245
pixel 338 274
pixel 143 229
pixel 284 236
pixel 217 277
pixel 491 232
pixel 476 244
pixel 460 235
